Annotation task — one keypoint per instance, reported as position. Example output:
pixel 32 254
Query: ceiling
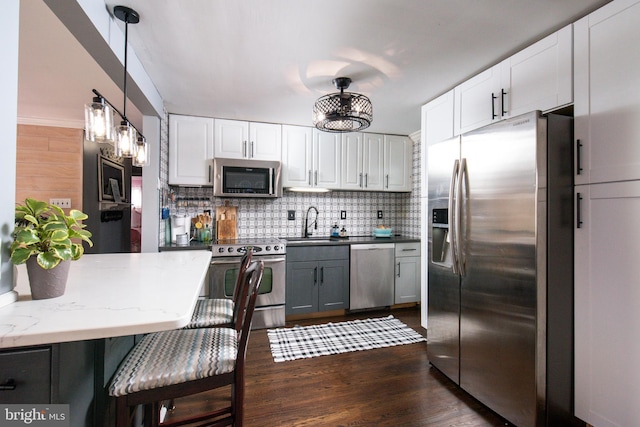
pixel 268 60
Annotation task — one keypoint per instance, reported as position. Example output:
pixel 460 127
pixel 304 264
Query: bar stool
pixel 218 311
pixel 171 364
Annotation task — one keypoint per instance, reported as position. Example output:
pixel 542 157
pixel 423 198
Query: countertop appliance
pixel 225 263
pixel 501 266
pixel 371 276
pixel 246 178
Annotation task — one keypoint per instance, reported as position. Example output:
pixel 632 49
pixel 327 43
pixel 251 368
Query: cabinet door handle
pixel 398 269
pixel 210 178
pixel 387 178
pixel 366 180
pixel 360 185
pixel 9 385
pixel 493 106
pixel 321 275
pixel 244 148
pixel 310 178
pixel 253 152
pixel 504 112
pixel 315 178
pixel 578 157
pixel 315 275
pixel 578 210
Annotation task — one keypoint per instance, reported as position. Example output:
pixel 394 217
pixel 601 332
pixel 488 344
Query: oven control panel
pixel 236 248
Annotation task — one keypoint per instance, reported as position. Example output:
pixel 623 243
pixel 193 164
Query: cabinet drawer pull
pixel 578 210
pixel 493 106
pixel 409 249
pixel 9 385
pixel 504 112
pixel 578 155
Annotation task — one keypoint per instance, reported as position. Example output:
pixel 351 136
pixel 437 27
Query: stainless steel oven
pixel 223 273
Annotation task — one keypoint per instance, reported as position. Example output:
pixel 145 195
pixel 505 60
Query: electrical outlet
pixel 291 215
pixel 379 214
pixel 343 214
pixel 61 203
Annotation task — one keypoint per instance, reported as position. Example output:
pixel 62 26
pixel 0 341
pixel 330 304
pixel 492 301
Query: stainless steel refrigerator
pixel 500 302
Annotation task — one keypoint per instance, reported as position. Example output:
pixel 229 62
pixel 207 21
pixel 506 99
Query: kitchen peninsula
pixel 64 350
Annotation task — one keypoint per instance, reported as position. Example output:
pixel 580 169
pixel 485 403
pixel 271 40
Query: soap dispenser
pixel 334 231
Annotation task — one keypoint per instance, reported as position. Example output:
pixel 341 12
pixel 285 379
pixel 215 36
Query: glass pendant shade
pixel 98 121
pixel 127 137
pixel 141 153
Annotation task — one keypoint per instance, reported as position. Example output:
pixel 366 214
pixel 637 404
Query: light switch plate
pixel 291 215
pixel 61 203
pixel 343 214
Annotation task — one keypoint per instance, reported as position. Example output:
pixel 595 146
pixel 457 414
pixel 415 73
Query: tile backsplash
pixel 268 217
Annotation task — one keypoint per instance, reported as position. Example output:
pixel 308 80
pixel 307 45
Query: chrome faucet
pixel 305 232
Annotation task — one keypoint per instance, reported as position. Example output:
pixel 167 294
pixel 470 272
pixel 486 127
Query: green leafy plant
pixel 44 230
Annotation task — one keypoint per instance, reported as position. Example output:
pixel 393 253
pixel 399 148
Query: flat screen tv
pixel 111 180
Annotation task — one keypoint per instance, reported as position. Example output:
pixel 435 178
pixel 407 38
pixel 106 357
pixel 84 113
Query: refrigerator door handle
pixel 451 217
pixel 463 178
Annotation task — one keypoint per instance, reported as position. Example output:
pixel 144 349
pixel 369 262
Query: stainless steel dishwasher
pixel 372 280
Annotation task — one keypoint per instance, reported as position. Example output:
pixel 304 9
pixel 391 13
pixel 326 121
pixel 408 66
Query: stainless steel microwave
pixel 246 178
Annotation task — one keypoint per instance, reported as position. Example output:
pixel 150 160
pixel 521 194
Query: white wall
pixel 9 19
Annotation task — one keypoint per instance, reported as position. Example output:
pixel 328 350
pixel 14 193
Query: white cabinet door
pixel 478 101
pixel 326 170
pixel 607 100
pixel 265 141
pixel 436 126
pixel 398 163
pixel 373 161
pixel 540 76
pixel 297 156
pixel 248 140
pixel 232 139
pixel 352 176
pixel 536 78
pixel 190 150
pixel 607 295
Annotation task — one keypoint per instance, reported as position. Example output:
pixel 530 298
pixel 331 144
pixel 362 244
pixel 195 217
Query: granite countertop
pixel 351 240
pixel 109 295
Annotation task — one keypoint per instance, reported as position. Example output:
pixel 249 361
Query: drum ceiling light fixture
pixel 344 111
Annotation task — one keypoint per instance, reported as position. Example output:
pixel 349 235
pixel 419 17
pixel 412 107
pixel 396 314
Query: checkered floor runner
pixel 333 338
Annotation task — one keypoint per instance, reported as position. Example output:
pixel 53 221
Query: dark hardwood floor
pixel 392 386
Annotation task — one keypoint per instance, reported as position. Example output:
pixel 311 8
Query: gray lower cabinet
pixel 317 279
pixel 74 373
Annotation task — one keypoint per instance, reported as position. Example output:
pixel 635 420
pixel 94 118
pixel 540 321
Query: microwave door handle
pixel 271 183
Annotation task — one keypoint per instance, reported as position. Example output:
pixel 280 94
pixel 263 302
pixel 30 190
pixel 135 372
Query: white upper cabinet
pixel 190 150
pixel 398 163
pixel 297 156
pixel 607 101
pixel 236 139
pixel 311 159
pixel 536 78
pixel 436 125
pixel 352 176
pixel 478 101
pixel 373 161
pixel 326 159
pixel 540 76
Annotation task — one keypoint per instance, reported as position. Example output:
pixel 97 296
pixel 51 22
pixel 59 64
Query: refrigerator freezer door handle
pixel 451 217
pixel 462 179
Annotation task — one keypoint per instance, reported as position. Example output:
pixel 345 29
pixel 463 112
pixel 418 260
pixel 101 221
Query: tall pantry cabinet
pixel 607 198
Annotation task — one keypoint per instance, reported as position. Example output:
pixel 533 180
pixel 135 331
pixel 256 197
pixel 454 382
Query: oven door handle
pixel 256 258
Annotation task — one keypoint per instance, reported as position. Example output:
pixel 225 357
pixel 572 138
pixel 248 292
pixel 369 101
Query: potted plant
pixel 43 240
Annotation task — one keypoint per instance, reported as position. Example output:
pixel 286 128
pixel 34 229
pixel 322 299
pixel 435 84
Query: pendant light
pixel 127 135
pixel 344 111
pixel 99 122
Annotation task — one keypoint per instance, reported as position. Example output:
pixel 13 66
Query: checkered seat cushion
pixel 211 312
pixel 172 357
